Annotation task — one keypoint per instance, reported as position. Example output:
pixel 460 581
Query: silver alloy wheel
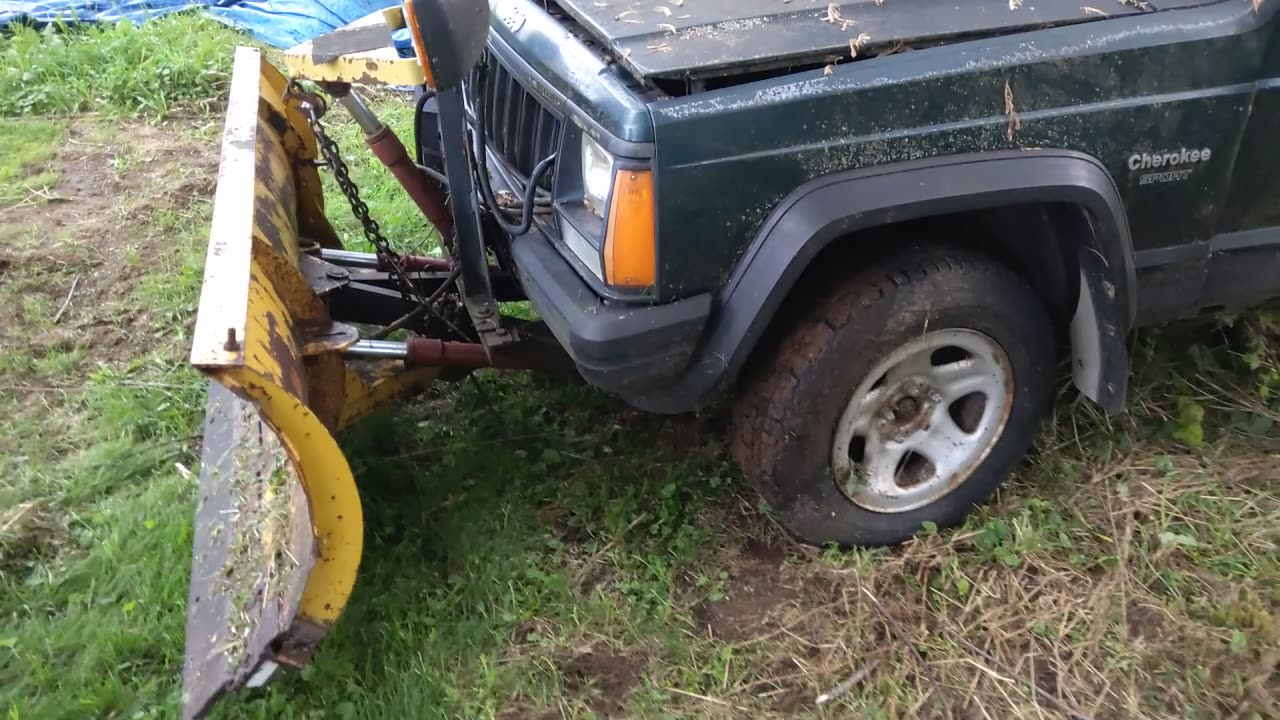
pixel 922 420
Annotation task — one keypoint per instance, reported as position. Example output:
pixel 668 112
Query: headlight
pixel 597 175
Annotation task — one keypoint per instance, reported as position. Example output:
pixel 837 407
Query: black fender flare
pixel 833 206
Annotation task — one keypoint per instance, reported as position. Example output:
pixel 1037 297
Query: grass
pixel 539 551
pixel 173 61
pixel 25 147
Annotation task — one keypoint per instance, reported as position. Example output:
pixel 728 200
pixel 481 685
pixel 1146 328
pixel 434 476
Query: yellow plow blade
pixel 278 530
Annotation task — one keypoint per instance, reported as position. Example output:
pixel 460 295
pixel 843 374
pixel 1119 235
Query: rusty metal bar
pixel 371 261
pixel 424 263
pixel 429 352
pixel 384 144
pixel 425 193
pixel 420 352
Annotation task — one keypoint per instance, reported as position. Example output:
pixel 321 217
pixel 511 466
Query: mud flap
pixel 278 529
pixel 1100 360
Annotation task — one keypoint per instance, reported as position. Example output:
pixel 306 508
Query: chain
pixel 314 106
pixel 333 158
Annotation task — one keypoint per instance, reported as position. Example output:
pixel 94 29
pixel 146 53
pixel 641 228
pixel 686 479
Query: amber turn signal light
pixel 630 255
pixel 424 60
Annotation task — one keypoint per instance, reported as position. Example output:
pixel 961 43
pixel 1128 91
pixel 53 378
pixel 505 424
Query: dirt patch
pixel 756 590
pixel 602 679
pixel 71 257
pixel 686 435
pixel 119 173
pixel 1147 621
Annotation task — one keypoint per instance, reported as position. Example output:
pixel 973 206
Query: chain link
pixel 333 158
pixel 314 107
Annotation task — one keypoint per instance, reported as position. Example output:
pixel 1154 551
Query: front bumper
pixel 623 348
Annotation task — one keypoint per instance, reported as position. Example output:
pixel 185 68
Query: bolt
pixel 887 414
pixel 337 273
pixel 934 396
pixel 231 345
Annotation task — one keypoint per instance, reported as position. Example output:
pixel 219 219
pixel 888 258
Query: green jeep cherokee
pixel 877 225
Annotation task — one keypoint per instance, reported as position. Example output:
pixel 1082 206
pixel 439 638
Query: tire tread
pixel 759 416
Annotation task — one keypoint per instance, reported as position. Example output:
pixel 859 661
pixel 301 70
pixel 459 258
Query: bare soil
pixel 96 229
pixel 757 589
pixel 602 679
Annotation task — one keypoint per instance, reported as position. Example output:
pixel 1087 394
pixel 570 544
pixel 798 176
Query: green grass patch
pixel 179 60
pixel 95 514
pixel 26 147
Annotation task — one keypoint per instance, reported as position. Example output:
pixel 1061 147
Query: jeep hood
pixel 712 38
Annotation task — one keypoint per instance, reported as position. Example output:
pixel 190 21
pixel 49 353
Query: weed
pixel 25 149
pixel 180 60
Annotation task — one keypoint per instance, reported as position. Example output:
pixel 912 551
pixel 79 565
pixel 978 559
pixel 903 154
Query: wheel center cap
pixel 906 407
pixel 907 410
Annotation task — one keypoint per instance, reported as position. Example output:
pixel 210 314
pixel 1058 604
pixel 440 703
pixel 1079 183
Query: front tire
pixel 905 395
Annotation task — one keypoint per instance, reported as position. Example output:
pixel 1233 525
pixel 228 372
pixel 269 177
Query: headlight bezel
pixel 588 196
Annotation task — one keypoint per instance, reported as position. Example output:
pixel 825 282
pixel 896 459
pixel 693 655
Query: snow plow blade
pixel 278 529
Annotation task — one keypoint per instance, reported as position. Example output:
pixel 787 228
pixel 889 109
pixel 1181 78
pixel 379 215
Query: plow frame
pixel 281 389
pixel 278 532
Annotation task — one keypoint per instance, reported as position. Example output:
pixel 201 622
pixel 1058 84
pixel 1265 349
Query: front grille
pixel 521 131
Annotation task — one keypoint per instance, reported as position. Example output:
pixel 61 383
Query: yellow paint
pixel 272 376
pixel 374 384
pixel 253 289
pixel 382 66
pixel 367 67
pixel 336 516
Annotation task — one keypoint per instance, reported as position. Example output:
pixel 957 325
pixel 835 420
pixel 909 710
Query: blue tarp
pixel 282 23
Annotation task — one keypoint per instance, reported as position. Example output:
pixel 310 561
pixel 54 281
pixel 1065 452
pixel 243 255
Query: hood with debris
pixel 710 38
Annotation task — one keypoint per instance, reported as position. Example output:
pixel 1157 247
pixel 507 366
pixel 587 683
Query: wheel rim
pixel 922 420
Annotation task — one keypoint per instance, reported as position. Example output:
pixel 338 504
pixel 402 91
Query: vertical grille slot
pixel 522 132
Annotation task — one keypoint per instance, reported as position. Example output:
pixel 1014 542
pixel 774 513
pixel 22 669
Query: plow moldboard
pixel 252 550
